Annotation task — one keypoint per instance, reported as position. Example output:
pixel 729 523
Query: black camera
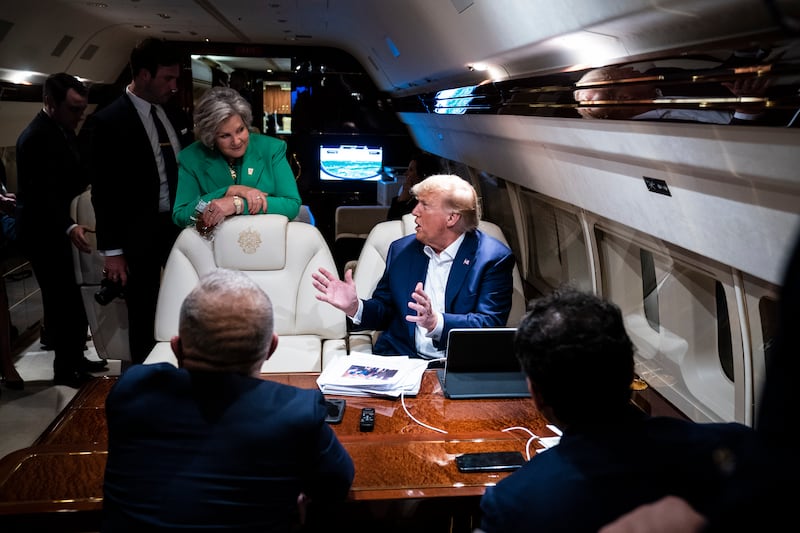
pixel 108 291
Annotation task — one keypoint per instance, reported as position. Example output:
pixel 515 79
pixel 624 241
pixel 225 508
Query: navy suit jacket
pixel 214 450
pixel 124 175
pixel 478 292
pixel 594 476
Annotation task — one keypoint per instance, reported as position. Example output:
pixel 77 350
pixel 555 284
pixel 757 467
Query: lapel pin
pixel 466 261
pixel 249 171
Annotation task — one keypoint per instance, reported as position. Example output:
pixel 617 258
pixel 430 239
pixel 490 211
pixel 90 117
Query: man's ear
pixel 273 345
pixel 537 398
pixel 144 74
pixel 177 349
pixel 49 103
pixel 541 405
pixel 452 219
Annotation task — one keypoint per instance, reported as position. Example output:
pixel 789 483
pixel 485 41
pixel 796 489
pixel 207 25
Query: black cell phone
pixel 335 411
pixel 489 461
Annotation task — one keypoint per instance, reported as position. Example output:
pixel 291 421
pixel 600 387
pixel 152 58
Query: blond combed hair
pixel 457 194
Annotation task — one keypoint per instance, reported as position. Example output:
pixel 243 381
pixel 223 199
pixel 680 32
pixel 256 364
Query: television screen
pixel 343 162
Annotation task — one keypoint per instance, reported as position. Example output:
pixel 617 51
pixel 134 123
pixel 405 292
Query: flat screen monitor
pixel 348 162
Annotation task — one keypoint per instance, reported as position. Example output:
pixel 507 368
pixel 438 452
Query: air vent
pixel 462 5
pixel 5 26
pixel 89 52
pixel 372 62
pixel 62 45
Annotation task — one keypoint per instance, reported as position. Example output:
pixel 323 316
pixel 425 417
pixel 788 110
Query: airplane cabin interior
pixel 644 151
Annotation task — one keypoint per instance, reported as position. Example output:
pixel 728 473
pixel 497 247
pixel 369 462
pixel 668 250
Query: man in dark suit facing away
pixel 133 172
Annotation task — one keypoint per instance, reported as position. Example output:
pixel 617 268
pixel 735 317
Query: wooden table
pixel 400 460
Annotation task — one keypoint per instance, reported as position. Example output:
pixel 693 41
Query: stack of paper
pixel 372 375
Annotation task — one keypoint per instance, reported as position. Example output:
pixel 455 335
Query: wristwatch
pixel 237 203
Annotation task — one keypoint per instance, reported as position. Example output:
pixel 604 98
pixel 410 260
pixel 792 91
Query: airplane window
pixel 496 207
pixel 651 311
pixel 768 311
pixel 724 345
pixel 557 254
pixel 761 301
pixel 688 355
pixel 649 289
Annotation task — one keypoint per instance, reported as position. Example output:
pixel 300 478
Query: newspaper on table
pixel 372 375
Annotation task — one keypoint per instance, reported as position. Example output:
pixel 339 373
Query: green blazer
pixel 204 174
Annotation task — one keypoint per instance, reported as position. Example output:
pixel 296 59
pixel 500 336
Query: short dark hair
pixel 427 165
pixel 574 348
pixel 152 53
pixel 57 85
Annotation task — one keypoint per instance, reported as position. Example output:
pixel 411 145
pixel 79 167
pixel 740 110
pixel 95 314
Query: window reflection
pixel 757 85
pixel 717 93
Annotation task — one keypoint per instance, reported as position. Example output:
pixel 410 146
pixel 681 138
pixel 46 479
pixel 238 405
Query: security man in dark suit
pixel 133 145
pixel 50 176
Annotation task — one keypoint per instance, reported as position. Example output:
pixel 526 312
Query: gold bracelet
pixel 237 203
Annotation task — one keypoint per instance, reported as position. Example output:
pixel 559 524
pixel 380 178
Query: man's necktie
pixel 167 152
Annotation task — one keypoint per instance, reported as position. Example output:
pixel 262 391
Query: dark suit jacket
pixel 124 175
pixel 216 451
pixel 478 292
pixel 594 476
pixel 50 176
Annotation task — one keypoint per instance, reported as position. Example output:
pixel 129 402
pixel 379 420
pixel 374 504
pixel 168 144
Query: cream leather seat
pixel 280 256
pixel 108 324
pixel 372 262
pixel 352 224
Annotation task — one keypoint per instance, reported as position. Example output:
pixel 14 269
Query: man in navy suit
pixel 134 182
pixel 211 445
pixel 447 275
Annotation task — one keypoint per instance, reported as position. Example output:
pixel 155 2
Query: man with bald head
pixel 210 444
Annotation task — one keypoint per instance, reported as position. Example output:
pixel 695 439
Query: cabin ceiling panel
pixel 176 20
pixel 741 182
pixel 435 40
pixel 29 44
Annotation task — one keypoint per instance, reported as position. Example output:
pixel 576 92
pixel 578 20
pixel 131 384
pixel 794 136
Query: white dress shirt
pixel 439 266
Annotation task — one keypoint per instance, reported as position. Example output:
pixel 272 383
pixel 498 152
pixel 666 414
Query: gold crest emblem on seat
pixel 249 241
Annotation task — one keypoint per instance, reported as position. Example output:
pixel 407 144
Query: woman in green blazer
pixel 229 169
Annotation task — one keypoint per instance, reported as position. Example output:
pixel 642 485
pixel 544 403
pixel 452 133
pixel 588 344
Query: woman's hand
pixel 256 202
pixel 256 199
pixel 217 210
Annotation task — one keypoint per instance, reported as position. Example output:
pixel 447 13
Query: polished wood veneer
pixel 399 460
